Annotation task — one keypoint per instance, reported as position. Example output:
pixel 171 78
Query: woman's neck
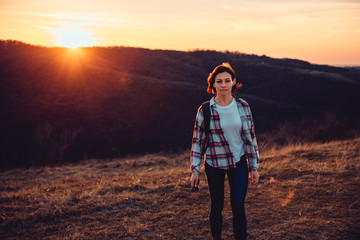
pixel 223 100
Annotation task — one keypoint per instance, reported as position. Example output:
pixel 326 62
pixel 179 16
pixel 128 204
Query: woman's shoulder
pixel 203 105
pixel 241 101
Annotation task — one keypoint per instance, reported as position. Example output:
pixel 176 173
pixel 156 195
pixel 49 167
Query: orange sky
pixel 318 31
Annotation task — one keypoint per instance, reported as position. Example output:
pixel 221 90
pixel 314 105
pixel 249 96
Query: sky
pixel 318 31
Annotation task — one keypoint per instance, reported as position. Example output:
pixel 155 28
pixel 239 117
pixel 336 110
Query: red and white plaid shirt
pixel 218 152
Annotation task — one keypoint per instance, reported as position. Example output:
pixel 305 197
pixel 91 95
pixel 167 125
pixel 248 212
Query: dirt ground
pixel 305 192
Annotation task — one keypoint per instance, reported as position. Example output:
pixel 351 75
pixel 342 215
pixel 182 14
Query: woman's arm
pixel 250 142
pixel 198 142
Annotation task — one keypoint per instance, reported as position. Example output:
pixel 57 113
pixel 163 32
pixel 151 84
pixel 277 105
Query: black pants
pixel 238 180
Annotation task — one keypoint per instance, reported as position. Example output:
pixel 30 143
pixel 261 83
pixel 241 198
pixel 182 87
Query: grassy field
pixel 305 192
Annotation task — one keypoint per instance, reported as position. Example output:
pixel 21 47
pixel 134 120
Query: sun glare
pixel 74 39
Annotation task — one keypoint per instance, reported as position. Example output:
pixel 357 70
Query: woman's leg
pixel 215 179
pixel 238 180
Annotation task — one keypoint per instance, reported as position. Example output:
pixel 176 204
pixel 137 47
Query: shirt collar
pixel 212 100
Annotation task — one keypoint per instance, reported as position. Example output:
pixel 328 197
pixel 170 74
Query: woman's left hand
pixel 254 177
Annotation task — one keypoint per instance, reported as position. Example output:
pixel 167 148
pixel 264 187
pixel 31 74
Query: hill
pixel 60 105
pixel 306 191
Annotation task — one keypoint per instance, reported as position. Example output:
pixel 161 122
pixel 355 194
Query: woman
pixel 230 141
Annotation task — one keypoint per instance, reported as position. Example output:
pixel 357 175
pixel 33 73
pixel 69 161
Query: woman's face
pixel 223 83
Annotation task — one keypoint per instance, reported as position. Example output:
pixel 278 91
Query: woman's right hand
pixel 194 179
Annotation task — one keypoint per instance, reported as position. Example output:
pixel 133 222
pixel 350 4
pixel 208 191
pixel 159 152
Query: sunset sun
pixel 74 39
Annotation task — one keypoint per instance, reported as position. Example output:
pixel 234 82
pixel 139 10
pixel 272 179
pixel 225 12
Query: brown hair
pixel 224 67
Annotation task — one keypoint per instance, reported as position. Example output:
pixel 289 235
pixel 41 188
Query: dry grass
pixel 305 192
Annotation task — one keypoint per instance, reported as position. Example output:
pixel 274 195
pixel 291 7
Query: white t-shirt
pixel 231 125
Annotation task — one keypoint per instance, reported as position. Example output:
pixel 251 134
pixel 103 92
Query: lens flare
pixel 73 38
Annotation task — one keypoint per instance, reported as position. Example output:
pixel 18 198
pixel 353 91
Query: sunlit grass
pixel 306 191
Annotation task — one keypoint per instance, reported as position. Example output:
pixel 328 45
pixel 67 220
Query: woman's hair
pixel 224 67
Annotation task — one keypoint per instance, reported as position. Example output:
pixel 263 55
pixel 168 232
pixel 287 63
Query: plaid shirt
pixel 218 152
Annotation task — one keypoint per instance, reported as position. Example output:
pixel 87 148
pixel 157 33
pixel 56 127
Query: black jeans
pixel 238 180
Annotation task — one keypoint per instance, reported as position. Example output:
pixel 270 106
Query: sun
pixel 74 39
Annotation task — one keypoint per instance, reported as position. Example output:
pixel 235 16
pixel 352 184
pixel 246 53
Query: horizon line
pixel 188 50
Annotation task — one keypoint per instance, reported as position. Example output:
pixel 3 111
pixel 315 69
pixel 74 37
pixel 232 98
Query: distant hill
pixel 62 105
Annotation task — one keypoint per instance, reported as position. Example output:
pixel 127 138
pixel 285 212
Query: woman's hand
pixel 194 179
pixel 254 177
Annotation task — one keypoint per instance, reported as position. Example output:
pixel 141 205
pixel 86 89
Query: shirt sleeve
pixel 198 142
pixel 251 145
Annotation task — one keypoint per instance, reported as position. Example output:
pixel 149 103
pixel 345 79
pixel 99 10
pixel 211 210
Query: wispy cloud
pixel 69 16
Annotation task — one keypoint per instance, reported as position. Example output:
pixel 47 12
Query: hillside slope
pixel 305 191
pixel 61 105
